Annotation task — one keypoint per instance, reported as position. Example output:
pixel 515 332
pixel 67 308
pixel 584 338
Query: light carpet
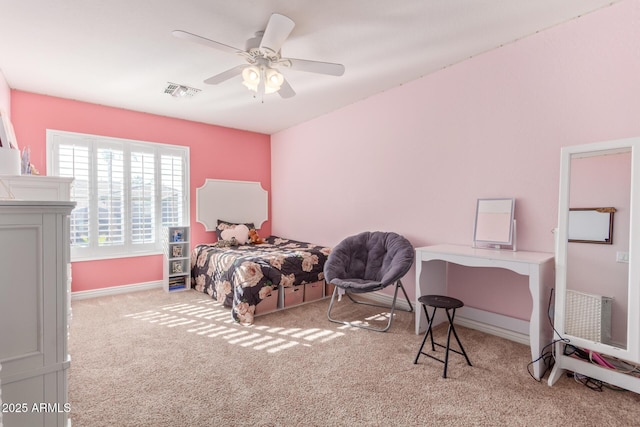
pixel 155 359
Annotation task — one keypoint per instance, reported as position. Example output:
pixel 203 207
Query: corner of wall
pixel 5 95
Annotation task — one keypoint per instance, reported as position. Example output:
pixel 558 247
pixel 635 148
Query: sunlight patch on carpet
pixel 369 321
pixel 211 319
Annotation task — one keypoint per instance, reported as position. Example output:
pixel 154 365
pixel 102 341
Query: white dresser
pixel 34 299
pixel 34 312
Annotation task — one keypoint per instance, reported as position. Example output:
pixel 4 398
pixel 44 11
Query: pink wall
pixel 215 152
pixel 415 159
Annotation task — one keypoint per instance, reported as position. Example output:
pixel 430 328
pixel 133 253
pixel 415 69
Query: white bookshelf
pixel 176 257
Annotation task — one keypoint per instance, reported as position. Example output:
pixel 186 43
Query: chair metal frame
pixel 392 307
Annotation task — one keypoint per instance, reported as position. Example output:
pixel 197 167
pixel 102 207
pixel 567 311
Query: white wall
pixel 5 95
pixel 415 159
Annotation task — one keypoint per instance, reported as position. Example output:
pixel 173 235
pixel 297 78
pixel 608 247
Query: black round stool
pixel 449 305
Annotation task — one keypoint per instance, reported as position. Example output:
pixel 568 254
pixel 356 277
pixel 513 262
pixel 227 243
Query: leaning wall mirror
pixel 591 225
pixel 603 275
pixel 494 225
pixel 597 288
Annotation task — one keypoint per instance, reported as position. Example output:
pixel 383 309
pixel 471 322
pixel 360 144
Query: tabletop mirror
pixel 495 224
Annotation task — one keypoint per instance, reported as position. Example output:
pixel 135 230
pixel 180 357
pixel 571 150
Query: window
pixel 125 192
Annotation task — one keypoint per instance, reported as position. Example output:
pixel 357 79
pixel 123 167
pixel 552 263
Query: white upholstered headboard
pixel 233 201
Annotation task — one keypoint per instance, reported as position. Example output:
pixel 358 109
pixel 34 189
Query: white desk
pixel 431 278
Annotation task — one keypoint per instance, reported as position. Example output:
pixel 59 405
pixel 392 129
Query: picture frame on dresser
pixel 7 134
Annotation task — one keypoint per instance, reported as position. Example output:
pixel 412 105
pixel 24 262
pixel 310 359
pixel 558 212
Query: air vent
pixel 180 91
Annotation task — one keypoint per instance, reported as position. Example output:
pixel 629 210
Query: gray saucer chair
pixel 368 262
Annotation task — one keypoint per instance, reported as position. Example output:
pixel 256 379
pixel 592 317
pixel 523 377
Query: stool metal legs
pixel 451 313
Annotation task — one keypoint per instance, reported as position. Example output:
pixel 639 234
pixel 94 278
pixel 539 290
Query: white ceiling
pixel 121 52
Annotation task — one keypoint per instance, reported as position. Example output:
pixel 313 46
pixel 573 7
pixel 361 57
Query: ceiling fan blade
pixel 286 91
pixel 278 29
pixel 316 66
pixel 226 75
pixel 204 41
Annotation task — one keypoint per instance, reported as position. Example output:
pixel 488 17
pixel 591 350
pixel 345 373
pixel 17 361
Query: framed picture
pixel 7 135
pixel 591 225
pixel 176 267
pixel 176 251
pixel 177 236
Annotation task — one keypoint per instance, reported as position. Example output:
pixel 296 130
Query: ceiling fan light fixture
pixel 251 77
pixel 273 80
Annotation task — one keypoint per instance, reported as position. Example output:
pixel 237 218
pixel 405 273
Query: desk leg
pixel 431 279
pixel 540 334
pixel 558 368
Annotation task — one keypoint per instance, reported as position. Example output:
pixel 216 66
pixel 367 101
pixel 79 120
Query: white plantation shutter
pixel 74 162
pixel 173 190
pixel 143 208
pixel 125 192
pixel 110 203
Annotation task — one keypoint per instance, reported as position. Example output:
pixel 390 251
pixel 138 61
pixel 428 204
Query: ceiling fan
pixel 262 52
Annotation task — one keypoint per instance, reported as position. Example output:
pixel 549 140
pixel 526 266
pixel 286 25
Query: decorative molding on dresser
pixel 35 187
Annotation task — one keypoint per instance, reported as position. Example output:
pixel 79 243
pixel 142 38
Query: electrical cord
pixel 547 352
pixel 547 357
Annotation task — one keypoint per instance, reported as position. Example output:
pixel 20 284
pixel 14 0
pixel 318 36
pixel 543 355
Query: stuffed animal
pixel 226 243
pixel 254 237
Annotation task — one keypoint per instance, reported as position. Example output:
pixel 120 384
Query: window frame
pixel 56 138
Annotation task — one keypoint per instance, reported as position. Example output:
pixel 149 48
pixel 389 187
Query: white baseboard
pixel 114 290
pixel 495 324
pixel 380 298
pixel 501 326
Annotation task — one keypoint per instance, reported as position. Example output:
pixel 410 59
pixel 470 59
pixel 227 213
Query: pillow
pixel 229 230
pixel 240 232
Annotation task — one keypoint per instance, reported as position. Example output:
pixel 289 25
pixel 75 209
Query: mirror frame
pixel 632 351
pixel 495 242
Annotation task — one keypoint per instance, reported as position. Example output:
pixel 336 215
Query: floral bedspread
pixel 241 276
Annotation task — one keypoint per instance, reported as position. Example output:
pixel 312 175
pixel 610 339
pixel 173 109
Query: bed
pixel 241 269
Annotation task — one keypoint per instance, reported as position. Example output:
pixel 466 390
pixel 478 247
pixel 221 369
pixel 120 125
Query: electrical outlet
pixel 622 257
